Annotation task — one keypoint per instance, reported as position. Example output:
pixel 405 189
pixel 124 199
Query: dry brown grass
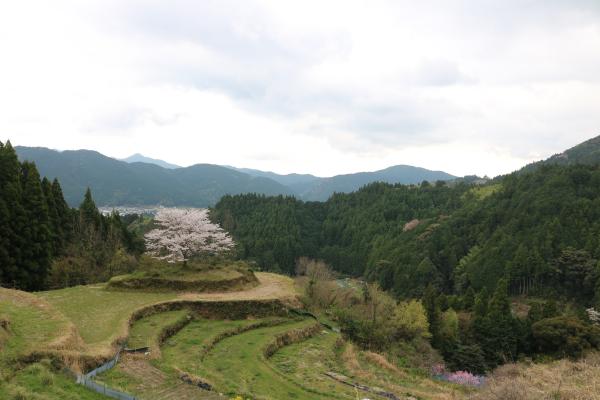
pixel 400 382
pixel 383 363
pixel 558 380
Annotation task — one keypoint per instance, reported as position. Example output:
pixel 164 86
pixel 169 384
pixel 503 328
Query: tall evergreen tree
pixel 63 211
pixel 37 232
pixel 12 217
pixel 469 299
pixel 434 315
pixel 54 220
pixel 88 212
pixel 500 343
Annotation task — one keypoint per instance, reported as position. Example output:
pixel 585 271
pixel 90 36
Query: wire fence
pixel 87 380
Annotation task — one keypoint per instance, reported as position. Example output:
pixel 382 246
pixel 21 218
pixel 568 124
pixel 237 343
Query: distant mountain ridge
pixel 405 174
pixel 140 180
pixel 312 188
pixel 137 157
pixel 116 183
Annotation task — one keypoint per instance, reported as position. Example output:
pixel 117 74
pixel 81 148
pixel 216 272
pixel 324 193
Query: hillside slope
pixel 533 228
pixel 116 182
pixel 587 152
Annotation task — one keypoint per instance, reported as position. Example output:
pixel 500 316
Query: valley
pixel 436 291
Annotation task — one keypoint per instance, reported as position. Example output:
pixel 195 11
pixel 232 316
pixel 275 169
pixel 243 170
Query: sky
pixel 323 87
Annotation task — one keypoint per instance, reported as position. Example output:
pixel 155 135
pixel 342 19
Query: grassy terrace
pixel 38 381
pixel 33 323
pixel 195 276
pixel 228 354
pixel 101 316
pixel 306 362
pixel 145 332
pixel 236 364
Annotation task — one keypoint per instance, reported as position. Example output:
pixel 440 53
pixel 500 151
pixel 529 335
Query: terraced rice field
pixel 236 365
pixel 229 355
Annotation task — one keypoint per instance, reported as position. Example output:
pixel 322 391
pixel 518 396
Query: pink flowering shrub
pixel 459 377
pixel 464 378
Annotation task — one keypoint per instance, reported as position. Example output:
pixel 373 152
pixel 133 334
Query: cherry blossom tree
pixel 183 233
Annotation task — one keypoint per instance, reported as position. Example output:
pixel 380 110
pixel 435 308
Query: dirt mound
pixel 205 280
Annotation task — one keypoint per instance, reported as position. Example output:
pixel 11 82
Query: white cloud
pixel 322 87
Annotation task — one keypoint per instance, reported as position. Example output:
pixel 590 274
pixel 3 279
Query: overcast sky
pixel 322 87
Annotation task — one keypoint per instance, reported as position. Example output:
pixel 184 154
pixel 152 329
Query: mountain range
pixel 139 180
pixel 137 157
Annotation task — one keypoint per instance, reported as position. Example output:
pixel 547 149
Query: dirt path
pixel 271 286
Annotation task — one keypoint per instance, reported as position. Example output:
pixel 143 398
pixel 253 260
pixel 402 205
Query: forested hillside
pixel 587 152
pixel 462 249
pixel 520 227
pixel 44 243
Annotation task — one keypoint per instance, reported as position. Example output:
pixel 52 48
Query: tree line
pixel 44 243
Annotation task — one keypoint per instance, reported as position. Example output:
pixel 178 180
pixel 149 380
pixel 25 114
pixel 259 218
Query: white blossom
pixel 183 233
pixel 593 315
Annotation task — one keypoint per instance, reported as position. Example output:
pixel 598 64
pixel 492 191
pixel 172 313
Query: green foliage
pixel 497 333
pixel 565 336
pixel 467 357
pixel 273 231
pixel 379 322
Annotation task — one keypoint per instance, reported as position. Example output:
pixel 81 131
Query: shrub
pixel 466 357
pixel 564 336
pixel 378 322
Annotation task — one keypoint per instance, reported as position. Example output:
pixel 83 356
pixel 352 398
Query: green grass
pixel 236 366
pixel 194 270
pixel 145 332
pixel 483 191
pixel 116 378
pixel 180 274
pixel 101 315
pixel 197 276
pixel 32 323
pixel 184 349
pixel 306 362
pixel 39 382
